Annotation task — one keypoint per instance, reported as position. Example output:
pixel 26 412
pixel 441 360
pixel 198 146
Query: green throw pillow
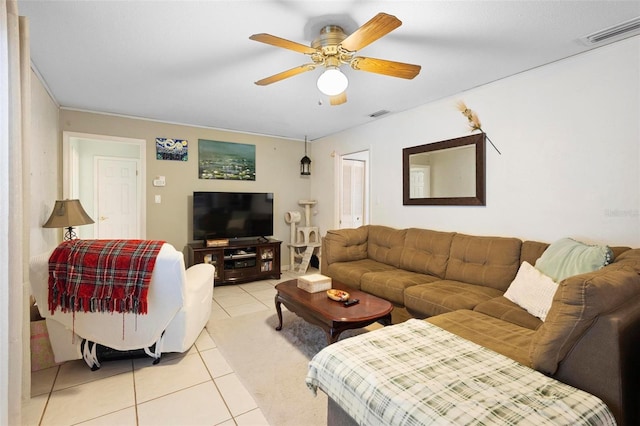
pixel 568 257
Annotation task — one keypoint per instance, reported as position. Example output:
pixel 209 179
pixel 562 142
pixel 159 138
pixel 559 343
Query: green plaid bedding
pixel 416 373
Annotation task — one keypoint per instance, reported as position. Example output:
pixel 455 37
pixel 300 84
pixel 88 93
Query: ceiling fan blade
pixel 378 26
pixel 338 99
pixel 281 42
pixel 382 66
pixel 286 74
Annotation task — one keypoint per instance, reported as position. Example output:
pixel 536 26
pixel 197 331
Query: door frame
pixel 364 156
pixel 71 160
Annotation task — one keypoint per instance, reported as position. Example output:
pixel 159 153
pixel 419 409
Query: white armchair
pixel 179 306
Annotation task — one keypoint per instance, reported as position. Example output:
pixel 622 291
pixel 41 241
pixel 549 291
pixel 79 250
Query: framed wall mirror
pixel 450 172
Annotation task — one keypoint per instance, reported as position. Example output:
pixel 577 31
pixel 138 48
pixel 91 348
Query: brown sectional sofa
pixel 590 338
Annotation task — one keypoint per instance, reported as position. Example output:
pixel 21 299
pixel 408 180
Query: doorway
pixel 106 174
pixel 354 190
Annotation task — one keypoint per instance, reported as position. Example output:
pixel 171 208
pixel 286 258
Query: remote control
pixel 351 302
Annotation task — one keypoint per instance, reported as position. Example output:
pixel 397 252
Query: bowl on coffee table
pixel 337 295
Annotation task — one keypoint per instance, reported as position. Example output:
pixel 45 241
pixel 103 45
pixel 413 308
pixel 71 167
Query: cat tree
pixel 305 240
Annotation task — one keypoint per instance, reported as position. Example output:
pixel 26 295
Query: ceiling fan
pixel 333 48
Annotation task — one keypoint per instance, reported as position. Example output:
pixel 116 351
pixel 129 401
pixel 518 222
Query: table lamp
pixel 67 214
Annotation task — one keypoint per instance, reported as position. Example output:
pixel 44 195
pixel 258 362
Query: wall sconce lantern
pixel 305 163
pixel 67 214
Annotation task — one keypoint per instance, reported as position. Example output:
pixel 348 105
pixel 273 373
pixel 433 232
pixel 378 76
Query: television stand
pixel 239 261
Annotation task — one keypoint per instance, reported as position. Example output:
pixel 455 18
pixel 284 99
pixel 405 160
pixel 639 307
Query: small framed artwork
pixel 172 149
pixel 226 160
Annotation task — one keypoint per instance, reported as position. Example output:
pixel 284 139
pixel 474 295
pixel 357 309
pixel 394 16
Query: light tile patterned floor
pixel 195 388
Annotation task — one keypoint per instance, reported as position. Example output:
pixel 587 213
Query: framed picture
pixel 172 149
pixel 226 160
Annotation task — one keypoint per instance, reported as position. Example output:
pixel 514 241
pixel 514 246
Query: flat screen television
pixel 222 215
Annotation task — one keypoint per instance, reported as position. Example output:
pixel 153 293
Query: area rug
pixel 273 364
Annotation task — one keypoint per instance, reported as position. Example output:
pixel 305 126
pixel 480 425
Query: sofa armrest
pixel 578 302
pixel 186 326
pixel 604 362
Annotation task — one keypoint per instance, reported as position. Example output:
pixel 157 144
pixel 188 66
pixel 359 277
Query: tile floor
pixel 194 388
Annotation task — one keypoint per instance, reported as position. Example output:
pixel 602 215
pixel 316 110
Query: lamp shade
pixel 67 214
pixel 332 82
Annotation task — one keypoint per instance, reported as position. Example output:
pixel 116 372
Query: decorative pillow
pixel 568 257
pixel 532 290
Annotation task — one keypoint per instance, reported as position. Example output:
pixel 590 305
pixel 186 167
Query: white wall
pixel 569 134
pixel 44 159
pixel 43 184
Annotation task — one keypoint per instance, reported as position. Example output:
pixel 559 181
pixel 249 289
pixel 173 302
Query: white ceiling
pixel 192 62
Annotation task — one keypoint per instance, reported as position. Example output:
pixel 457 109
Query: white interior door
pixel 420 182
pixel 352 200
pixel 116 198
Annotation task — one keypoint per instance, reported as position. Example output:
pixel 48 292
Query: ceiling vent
pixel 379 113
pixel 616 32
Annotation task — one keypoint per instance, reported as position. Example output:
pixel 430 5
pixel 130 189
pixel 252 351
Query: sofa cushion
pixel 531 251
pixel 618 250
pixel 391 284
pixel 578 301
pixel 504 309
pixel 343 245
pixel 426 251
pixel 485 261
pixel 500 336
pixel 568 257
pixel 350 273
pixel 532 290
pixel 425 300
pixel 629 258
pixel 385 244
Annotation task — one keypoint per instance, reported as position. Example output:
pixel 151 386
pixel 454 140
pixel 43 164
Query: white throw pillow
pixel 532 290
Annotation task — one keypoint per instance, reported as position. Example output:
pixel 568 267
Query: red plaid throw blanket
pixel 102 275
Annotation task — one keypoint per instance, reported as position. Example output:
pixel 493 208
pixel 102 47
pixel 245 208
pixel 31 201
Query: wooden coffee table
pixel 333 317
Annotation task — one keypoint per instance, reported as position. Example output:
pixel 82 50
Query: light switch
pixel 158 199
pixel 159 181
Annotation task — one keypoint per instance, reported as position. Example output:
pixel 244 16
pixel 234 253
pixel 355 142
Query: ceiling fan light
pixel 332 82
